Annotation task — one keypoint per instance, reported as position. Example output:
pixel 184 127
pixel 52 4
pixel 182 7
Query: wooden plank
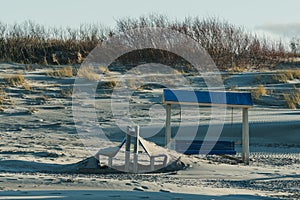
pixel 213 147
pixel 206 104
pixel 245 137
pixel 136 149
pixel 208 97
pixel 168 126
pixel 127 152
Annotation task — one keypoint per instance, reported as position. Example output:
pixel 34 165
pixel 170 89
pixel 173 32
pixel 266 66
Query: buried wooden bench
pixel 153 153
pixel 110 152
pixel 190 147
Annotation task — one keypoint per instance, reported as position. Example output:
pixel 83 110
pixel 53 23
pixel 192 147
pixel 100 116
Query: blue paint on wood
pixel 208 97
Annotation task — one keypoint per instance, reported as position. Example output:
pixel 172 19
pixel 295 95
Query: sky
pixel 269 17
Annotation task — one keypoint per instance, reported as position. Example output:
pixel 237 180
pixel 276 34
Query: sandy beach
pixel 42 156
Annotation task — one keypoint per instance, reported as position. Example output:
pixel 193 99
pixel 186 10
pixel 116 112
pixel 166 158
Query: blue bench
pixel 189 147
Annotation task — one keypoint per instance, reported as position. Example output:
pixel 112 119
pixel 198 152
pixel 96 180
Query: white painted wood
pixel 168 126
pixel 152 163
pixel 127 152
pixel 206 104
pixel 136 149
pixel 110 161
pixel 245 137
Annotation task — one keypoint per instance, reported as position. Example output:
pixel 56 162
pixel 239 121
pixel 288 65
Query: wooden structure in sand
pixel 150 150
pixel 241 100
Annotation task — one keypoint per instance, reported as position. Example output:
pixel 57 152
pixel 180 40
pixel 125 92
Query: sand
pixel 42 157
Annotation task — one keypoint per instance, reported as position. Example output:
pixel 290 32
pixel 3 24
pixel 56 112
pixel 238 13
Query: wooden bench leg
pixel 98 163
pixel 165 161
pixel 110 161
pixel 135 163
pixel 127 160
pixel 152 163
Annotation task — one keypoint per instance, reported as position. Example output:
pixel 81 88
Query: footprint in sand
pixel 145 187
pixel 162 190
pixel 138 189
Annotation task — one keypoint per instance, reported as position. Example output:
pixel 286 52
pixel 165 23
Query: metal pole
pixel 245 139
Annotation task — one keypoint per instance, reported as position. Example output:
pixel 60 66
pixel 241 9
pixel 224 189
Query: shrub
pixel 15 80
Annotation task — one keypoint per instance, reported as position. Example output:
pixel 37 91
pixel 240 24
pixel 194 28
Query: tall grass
pixel 292 100
pixel 14 80
pixel 258 92
pixel 287 75
pixel 61 72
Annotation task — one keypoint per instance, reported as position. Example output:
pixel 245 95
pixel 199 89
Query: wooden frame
pixel 245 128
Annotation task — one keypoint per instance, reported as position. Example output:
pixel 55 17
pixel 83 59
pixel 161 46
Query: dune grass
pixel 287 75
pixel 292 99
pixel 259 91
pixel 88 73
pixel 61 72
pixel 14 80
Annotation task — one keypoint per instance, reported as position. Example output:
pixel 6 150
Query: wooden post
pixel 168 126
pixel 245 138
pixel 127 147
pixel 136 149
pixel 110 161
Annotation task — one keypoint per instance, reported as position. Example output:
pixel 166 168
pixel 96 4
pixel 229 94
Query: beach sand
pixel 43 157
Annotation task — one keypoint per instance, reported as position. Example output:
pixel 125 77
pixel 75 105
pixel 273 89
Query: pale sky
pixel 276 17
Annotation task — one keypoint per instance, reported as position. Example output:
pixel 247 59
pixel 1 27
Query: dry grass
pixel 103 70
pixel 2 97
pixel 66 92
pixel 61 72
pixel 258 92
pixel 110 84
pixel 237 69
pixel 292 100
pixel 88 73
pixel 14 80
pixel 26 86
pixel 32 110
pixel 285 76
pixel 5 100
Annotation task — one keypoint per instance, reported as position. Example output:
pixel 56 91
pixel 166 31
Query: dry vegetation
pixel 61 72
pixel 88 73
pixel 14 80
pixel 230 47
pixel 287 75
pixel 292 99
pixel 258 92
pixel 66 93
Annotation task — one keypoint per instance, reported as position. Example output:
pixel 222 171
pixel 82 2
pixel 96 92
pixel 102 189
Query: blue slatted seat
pixel 208 147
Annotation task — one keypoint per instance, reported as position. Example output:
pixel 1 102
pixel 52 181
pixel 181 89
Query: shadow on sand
pixel 117 194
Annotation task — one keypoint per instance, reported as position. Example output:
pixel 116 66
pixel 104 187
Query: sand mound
pixel 91 165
